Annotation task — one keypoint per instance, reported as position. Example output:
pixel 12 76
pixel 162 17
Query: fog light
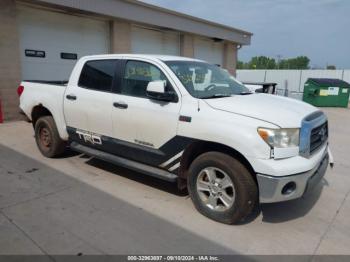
pixel 289 188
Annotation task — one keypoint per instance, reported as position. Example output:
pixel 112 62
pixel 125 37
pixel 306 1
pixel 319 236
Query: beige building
pixel 42 40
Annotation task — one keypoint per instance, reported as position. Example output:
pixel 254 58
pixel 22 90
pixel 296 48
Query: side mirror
pixel 156 90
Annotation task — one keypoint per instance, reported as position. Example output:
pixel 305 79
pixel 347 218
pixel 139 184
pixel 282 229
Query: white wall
pixel 284 78
pixel 54 33
pixel 149 41
pixel 251 75
pixel 294 80
pixel 208 50
pixel 346 76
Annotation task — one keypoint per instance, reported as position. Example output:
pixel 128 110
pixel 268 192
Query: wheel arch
pixel 198 148
pixel 39 111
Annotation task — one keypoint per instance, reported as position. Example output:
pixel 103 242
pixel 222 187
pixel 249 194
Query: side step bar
pixel 130 164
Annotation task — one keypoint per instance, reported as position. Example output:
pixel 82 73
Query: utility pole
pixel 279 58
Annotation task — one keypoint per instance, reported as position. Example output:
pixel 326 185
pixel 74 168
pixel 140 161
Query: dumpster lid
pixel 330 82
pixel 260 83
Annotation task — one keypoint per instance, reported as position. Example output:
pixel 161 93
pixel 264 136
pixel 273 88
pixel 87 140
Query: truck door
pixel 88 103
pixel 144 124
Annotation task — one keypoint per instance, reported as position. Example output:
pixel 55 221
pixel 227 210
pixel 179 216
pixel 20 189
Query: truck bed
pixel 49 94
pixel 54 82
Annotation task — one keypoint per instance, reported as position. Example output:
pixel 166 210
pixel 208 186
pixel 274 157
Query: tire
pixel 47 138
pixel 238 197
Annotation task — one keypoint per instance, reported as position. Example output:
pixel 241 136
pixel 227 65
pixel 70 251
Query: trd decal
pixel 89 137
pixel 167 157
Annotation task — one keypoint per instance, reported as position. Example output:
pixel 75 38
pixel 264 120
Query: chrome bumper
pixel 271 187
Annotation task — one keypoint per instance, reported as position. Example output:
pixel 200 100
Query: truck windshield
pixel 206 81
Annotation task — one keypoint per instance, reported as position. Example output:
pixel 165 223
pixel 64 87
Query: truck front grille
pixel 313 133
pixel 319 136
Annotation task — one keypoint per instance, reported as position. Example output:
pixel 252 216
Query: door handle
pixel 120 105
pixel 71 97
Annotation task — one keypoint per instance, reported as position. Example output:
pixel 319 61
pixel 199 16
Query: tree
pixel 300 62
pixel 264 62
pixel 240 65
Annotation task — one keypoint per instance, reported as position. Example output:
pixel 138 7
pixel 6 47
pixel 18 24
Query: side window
pixel 98 75
pixel 137 75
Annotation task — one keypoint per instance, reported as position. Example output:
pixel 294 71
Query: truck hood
pixel 281 111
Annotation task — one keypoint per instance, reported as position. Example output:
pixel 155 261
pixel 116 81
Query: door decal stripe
pixel 164 157
pixel 172 159
pixel 174 166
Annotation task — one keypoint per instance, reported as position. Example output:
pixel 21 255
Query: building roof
pixel 188 16
pixel 144 13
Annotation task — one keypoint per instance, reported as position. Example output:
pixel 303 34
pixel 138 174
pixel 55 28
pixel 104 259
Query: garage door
pixel 209 51
pixel 148 41
pixel 51 42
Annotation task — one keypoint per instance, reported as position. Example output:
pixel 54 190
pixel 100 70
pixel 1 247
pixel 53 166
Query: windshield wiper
pixel 216 96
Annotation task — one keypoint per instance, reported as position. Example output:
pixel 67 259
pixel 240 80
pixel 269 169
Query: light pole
pixel 279 58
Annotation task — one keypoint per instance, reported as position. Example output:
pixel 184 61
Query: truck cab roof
pixel 145 56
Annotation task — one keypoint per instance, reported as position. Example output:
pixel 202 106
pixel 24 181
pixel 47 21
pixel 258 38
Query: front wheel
pixel 221 187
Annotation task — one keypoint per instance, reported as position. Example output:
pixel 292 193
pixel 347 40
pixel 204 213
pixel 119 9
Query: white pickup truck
pixel 184 120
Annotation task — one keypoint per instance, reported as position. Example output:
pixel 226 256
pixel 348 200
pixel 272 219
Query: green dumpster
pixel 324 92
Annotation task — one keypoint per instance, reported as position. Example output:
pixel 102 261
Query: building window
pixel 69 56
pixel 35 53
pixel 98 75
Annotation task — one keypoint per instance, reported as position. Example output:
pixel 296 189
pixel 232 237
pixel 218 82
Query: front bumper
pixel 272 188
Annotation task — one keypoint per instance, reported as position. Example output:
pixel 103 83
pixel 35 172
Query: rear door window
pixel 98 75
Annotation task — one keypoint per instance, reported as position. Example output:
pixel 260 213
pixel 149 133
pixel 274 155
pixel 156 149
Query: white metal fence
pixel 292 80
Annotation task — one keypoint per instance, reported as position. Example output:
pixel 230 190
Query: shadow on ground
pixel 286 211
pixel 68 153
pixel 290 210
pixel 271 213
pixel 62 215
pixel 138 177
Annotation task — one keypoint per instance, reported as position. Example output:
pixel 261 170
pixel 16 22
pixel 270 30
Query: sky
pixel 319 29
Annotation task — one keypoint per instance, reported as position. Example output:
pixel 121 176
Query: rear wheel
pixel 221 187
pixel 47 138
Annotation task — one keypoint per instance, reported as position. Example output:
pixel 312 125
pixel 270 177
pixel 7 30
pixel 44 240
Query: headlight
pixel 280 138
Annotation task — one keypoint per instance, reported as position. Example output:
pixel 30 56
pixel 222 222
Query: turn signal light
pixel 264 134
